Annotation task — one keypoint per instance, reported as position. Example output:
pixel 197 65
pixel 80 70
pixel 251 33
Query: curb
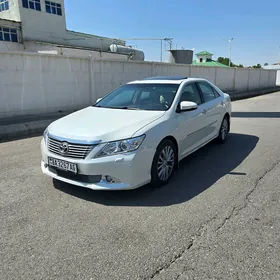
pixel 13 131
pixel 23 130
pixel 235 96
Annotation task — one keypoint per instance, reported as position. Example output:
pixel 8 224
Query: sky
pixel 199 25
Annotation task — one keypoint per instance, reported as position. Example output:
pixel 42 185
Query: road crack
pixel 237 208
pixel 179 254
pixel 203 228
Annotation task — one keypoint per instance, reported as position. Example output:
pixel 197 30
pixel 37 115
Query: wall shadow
pixel 255 114
pixel 197 173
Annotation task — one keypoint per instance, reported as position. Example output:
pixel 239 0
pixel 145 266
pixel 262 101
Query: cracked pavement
pixel 217 219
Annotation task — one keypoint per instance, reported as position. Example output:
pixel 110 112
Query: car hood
pixel 102 124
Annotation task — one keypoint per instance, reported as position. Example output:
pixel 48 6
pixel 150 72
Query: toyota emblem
pixel 64 148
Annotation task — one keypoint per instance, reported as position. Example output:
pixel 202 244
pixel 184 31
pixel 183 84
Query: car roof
pixel 164 80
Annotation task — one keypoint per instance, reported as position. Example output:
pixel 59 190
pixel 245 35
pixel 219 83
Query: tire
pixel 224 131
pixel 164 163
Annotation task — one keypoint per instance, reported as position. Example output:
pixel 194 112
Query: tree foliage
pixel 257 66
pixel 225 61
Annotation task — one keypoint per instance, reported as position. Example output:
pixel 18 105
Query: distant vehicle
pixel 137 134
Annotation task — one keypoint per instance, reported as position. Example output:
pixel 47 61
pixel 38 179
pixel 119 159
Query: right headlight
pixel 45 135
pixel 122 146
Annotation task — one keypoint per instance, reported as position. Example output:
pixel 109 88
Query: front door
pixel 212 108
pixel 190 125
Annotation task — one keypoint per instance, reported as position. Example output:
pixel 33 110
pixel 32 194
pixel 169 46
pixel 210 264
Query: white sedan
pixel 137 134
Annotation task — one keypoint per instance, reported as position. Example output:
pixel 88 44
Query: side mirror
pixel 187 106
pixel 98 100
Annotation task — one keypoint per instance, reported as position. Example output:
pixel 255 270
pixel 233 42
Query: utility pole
pixel 160 50
pixel 229 61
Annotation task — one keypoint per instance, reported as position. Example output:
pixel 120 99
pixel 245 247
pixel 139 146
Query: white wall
pixel 40 25
pixel 204 72
pixel 254 78
pixel 204 57
pixel 39 84
pixel 36 47
pixel 241 79
pixel 12 13
pixel 275 67
pixel 45 27
pixel 225 78
pixel 13 25
pixel 32 83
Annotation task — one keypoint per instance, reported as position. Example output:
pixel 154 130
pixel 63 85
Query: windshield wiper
pixel 130 108
pixel 121 108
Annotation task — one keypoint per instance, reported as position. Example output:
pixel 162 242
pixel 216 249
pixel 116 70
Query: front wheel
pixel 164 163
pixel 224 130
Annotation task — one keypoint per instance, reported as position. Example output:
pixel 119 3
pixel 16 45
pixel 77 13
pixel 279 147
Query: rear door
pixel 212 109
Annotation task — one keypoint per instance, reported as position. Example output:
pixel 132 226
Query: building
pixel 204 58
pixel 40 26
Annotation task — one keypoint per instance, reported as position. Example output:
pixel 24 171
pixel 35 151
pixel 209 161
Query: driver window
pixel 125 97
pixel 191 93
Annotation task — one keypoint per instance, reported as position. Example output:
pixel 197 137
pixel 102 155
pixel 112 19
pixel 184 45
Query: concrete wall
pixel 36 47
pixel 40 25
pixel 44 27
pixel 32 83
pixel 13 25
pixel 242 79
pixel 13 12
pixel 225 78
pixel 277 68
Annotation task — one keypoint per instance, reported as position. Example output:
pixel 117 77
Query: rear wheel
pixel 164 163
pixel 224 130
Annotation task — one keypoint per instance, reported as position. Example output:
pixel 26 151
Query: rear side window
pixel 208 91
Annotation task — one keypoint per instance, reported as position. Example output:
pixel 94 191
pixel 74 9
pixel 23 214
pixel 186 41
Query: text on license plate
pixel 62 164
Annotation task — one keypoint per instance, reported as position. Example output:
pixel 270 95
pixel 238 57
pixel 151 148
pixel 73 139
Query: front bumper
pixel 130 171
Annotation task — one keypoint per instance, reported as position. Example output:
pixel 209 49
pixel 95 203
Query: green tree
pixel 225 61
pixel 257 66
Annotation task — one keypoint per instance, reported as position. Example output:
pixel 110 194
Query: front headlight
pixel 45 135
pixel 122 146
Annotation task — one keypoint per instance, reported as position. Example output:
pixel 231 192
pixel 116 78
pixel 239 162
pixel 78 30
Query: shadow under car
pixel 197 173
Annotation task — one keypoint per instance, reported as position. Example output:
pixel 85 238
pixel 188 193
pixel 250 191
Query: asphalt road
pixel 218 218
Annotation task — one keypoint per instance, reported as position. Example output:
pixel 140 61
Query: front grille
pixel 77 151
pixel 90 179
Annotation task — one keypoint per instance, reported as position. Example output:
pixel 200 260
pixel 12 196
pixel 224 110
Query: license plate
pixel 63 165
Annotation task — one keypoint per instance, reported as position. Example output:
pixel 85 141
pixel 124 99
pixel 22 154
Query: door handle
pixel 204 111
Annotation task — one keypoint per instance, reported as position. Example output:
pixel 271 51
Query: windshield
pixel 154 97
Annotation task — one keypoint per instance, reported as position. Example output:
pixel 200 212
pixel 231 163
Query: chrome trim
pixel 76 151
pixel 74 141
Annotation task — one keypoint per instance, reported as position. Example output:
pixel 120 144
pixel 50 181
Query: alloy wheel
pixel 224 129
pixel 166 163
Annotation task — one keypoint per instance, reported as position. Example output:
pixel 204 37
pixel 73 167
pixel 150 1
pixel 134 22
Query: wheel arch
pixel 174 141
